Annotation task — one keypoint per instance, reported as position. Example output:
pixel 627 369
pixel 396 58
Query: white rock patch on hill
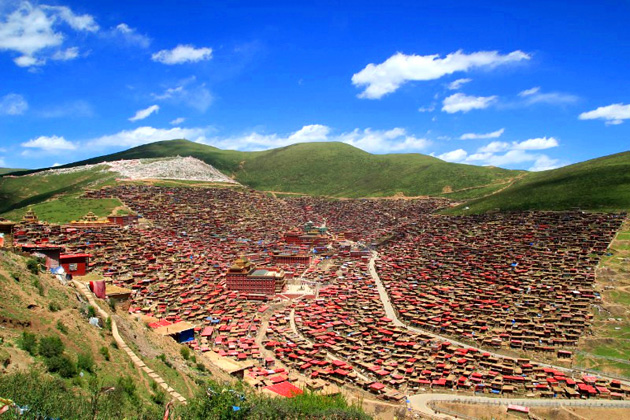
pixel 179 168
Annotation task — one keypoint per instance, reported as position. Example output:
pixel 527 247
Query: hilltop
pixel 334 169
pixel 328 168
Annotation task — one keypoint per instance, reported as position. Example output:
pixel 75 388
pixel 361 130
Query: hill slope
pixel 334 169
pixel 599 184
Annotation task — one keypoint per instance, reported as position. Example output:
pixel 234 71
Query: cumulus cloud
pixel 65 55
pixel 189 93
pixel 129 35
pixel 50 144
pixel 144 135
pixel 379 80
pixel 459 102
pixel 370 140
pixel 613 114
pixel 31 30
pixel 454 155
pixel 13 104
pixel 182 54
pixel 178 121
pixel 144 113
pixel 456 84
pixel 475 136
pixel 502 154
pixel 535 96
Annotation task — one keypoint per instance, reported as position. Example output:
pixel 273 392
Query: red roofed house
pixel 76 264
pixel 284 389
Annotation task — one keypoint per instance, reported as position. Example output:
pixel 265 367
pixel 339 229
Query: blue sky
pixel 528 85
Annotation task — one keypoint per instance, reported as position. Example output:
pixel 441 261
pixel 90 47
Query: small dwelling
pixel 126 220
pixel 51 253
pixel 181 331
pixel 75 264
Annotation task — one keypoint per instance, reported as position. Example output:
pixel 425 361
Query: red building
pixel 245 278
pixel 50 252
pixel 291 259
pixel 123 220
pixel 75 265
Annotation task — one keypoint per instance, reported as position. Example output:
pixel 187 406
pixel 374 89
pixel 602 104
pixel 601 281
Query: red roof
pixel 286 389
pixel 69 256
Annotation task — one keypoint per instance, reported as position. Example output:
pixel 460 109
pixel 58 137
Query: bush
pixel 32 265
pixel 85 362
pixel 104 352
pixel 54 307
pixel 38 285
pixel 127 385
pixel 201 367
pixel 159 397
pixel 62 365
pixel 91 311
pixel 185 352
pixel 51 346
pixel 108 324
pixel 61 327
pixel 28 342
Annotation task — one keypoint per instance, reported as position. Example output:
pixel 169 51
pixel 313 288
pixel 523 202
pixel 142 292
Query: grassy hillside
pixel 9 170
pixel 334 169
pixel 19 192
pixel 601 184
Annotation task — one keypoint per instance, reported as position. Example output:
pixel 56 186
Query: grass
pixel 20 192
pixel 67 208
pixel 599 184
pixel 331 169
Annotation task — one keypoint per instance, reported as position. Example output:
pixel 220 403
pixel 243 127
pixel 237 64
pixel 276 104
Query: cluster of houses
pixel 211 267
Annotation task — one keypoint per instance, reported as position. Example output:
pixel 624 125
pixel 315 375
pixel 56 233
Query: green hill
pixel 601 184
pixel 332 169
pixel 9 170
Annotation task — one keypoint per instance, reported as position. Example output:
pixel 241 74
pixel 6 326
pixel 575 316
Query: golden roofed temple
pixel 90 219
pixel 30 216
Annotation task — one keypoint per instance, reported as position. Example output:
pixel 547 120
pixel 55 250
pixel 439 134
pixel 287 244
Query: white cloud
pixel 50 144
pixel 144 113
pixel 13 104
pixel 30 30
pixel 374 141
pixel 536 144
pixel 65 55
pixel 186 92
pixel 144 135
pixel 545 163
pixel 494 147
pixel 474 136
pixel 76 22
pixel 456 84
pixel 613 114
pixel 426 109
pixel 130 35
pixel 454 155
pixel 54 165
pixel 529 92
pixel 182 54
pixel 178 121
pixel 387 77
pixel 459 102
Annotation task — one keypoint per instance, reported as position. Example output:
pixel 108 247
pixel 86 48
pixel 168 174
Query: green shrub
pixel 32 265
pixel 127 385
pixel 38 285
pixel 62 365
pixel 28 342
pixel 85 361
pixel 201 367
pixel 91 311
pixel 104 352
pixel 185 352
pixel 50 346
pixel 61 327
pixel 108 324
pixel 54 307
